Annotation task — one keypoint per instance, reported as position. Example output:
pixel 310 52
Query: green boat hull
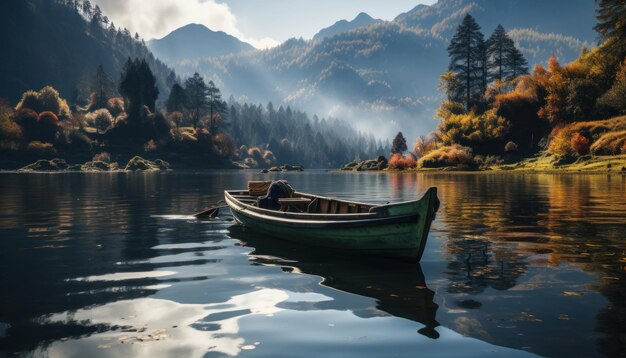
pixel 396 230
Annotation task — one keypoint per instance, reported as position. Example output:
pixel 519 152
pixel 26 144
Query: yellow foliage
pixel 41 149
pixel 610 143
pixel 606 136
pixel 446 156
pixel 47 99
pixel 561 143
pixel 470 128
pixel 424 145
pixel 449 108
pixel 9 130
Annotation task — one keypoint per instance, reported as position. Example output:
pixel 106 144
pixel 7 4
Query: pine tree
pixel 171 79
pixel 399 144
pixel 102 89
pixel 612 25
pixel 97 15
pixel 149 90
pixel 197 101
pixel 177 100
pixel 87 8
pixel 483 67
pixel 517 63
pixel 138 86
pixel 217 108
pixel 505 60
pixel 498 48
pixel 466 57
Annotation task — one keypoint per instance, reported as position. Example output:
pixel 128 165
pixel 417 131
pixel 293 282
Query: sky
pixel 262 23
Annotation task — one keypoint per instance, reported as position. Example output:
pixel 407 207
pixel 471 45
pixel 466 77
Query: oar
pixel 212 211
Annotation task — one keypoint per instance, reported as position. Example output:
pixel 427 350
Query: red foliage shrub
pixel 48 119
pixel 398 161
pixel 580 143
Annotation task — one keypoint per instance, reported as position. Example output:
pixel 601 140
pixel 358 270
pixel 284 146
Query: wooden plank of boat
pixel 398 229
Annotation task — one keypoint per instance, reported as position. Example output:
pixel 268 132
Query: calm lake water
pixel 110 265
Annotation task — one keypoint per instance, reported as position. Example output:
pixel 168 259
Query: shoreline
pixel 611 165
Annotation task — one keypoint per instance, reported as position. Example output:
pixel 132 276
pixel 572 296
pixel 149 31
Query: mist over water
pixel 109 265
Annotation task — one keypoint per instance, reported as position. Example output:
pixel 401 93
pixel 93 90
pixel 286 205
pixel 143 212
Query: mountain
pixel 531 23
pixel 383 77
pixel 42 50
pixel 196 41
pixel 443 17
pixel 361 20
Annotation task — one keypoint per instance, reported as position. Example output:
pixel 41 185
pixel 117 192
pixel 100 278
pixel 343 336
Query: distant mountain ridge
pixel 574 18
pixel 196 41
pixel 383 77
pixel 361 20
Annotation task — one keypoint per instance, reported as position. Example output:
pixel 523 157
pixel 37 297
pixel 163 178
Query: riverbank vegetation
pixel 117 100
pixel 495 113
pixel 195 129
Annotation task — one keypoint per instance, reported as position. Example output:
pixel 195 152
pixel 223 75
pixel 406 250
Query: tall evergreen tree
pixel 149 90
pixel 217 108
pixel 466 57
pixel 498 48
pixel 102 89
pixel 177 100
pixel 612 25
pixel 517 63
pixel 138 86
pixel 399 143
pixel 96 15
pixel 197 101
pixel 87 8
pixel 506 61
pixel 483 67
pixel 171 79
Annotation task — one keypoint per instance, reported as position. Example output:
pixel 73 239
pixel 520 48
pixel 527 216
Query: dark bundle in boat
pixel 277 190
pixel 398 229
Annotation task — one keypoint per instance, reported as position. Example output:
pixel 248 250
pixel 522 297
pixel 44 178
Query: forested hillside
pixel 90 94
pixel 385 75
pixel 268 136
pixel 62 42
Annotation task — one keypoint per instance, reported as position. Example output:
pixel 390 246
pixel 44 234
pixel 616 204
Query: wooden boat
pixel 396 230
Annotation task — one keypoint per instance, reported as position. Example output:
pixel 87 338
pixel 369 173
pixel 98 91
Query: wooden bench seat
pixel 297 203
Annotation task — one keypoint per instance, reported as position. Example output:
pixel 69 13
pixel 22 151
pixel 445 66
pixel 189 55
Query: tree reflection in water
pixel 494 227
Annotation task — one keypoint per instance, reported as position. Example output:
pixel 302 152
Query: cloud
pixel 156 18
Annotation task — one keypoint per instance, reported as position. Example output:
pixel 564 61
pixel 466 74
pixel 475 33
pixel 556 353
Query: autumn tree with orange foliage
pixel 580 144
pixel 548 108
